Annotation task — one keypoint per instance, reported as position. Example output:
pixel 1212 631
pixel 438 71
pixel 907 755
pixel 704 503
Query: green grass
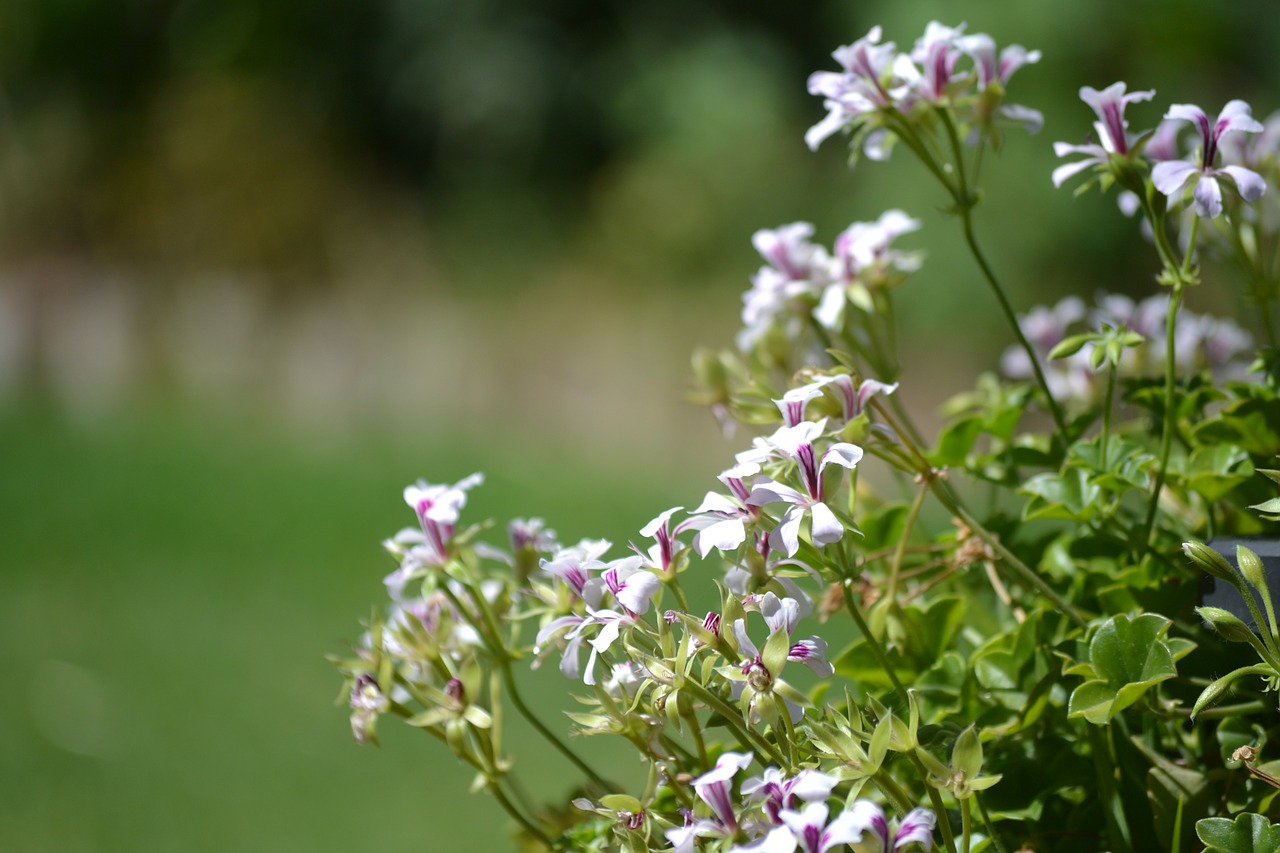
pixel 169 587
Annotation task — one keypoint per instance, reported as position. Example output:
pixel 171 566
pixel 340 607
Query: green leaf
pixel 1068 495
pixel 1093 700
pixel 1130 656
pixel 1126 467
pixel 1252 424
pixel 1214 471
pixel 956 441
pixel 1128 651
pixel 1248 833
pixel 1177 795
pixel 927 632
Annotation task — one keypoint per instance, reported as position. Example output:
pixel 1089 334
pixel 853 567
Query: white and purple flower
pixel 1111 127
pixel 1171 176
pixel 797 443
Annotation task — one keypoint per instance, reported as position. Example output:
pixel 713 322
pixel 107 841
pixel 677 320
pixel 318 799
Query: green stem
pixel 504 667
pixel 696 729
pixel 966 827
pixel 965 202
pixel 1022 571
pixel 987 824
pixel 896 567
pixel 1011 318
pixel 1106 417
pixel 674 583
pixel 892 790
pixel 492 782
pixel 847 587
pixel 939 808
pixel 1170 413
pixel 1112 809
pixel 510 808
pixel 1223 712
pixel 502 659
pixel 747 737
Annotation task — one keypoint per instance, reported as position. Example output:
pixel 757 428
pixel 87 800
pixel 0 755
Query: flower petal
pixel 826 527
pixel 1248 182
pixel 727 535
pixel 1172 175
pixel 916 827
pixel 1208 197
pixel 787 533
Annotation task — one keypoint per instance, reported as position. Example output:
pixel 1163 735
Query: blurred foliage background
pixel 263 263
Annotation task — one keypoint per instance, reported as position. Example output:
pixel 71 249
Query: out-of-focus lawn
pixel 168 590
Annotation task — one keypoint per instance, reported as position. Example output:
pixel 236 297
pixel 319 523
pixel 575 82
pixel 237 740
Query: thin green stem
pixel 892 790
pixel 939 808
pixel 1224 712
pixel 988 825
pixel 1170 412
pixel 965 201
pixel 1112 809
pixel 510 808
pixel 492 781
pixel 502 660
pixel 510 682
pixel 1011 318
pixel 895 568
pixel 846 587
pixel 747 737
pixel 1106 417
pixel 696 729
pixel 674 584
pixel 1022 571
pixel 966 828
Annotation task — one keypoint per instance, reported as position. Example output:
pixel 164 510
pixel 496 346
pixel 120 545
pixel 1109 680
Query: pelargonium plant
pixel 1006 647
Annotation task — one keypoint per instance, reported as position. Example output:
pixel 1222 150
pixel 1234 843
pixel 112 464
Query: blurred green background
pixel 264 263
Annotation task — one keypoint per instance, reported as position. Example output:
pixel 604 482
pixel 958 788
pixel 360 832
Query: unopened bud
pixel 1251 567
pixel 1210 560
pixel 1227 624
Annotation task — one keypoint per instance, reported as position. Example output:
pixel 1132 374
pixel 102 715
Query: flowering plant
pixel 804 663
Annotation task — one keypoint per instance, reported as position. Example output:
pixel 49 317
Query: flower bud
pixel 1251 567
pixel 1211 561
pixel 1227 624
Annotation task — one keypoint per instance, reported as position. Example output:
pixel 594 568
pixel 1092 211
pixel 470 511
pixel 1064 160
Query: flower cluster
pixel 802 282
pixel 880 91
pixel 1203 172
pixel 781 814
